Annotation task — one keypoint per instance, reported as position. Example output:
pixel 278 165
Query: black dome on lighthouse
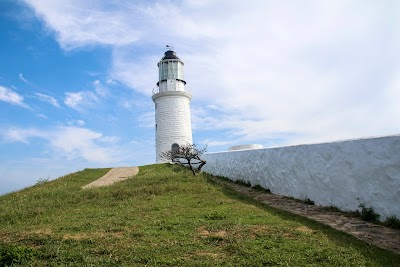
pixel 170 55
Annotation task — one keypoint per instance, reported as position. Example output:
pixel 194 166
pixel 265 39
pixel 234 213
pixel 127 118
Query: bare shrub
pixel 187 154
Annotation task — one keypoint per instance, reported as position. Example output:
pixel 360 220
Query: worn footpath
pixel 378 235
pixel 113 176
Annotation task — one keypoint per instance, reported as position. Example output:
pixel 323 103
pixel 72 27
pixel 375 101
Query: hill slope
pixel 164 216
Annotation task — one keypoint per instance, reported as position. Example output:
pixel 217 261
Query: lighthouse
pixel 172 105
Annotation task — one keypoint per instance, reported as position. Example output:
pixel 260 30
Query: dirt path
pixel 377 235
pixel 113 176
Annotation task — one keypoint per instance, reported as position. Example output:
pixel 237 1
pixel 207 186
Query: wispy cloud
pixel 23 79
pixel 100 89
pixel 76 122
pixel 48 99
pixel 42 116
pixel 86 99
pixel 11 97
pixel 80 100
pixel 111 81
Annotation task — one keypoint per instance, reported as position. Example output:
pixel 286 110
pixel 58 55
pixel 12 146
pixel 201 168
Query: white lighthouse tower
pixel 172 105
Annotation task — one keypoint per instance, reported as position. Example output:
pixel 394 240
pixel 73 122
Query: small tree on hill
pixel 187 154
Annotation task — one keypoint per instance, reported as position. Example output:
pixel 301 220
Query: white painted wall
pixel 173 121
pixel 329 174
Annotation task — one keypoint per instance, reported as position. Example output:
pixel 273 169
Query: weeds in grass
pixel 260 188
pixel 367 213
pixel 308 201
pixel 345 213
pixel 305 200
pixel 42 181
pixel 14 255
pixel 242 182
pixel 332 209
pixel 392 222
pixel 215 216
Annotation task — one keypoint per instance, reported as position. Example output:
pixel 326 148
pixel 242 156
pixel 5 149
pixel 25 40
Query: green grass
pixel 165 216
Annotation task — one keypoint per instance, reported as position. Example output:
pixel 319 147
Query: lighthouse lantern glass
pixel 171 70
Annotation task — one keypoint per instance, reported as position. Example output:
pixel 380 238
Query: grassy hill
pixel 165 217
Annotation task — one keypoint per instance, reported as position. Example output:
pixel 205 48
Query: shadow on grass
pixel 373 253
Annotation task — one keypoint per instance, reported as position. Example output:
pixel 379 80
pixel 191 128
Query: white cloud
pixel 111 81
pixel 48 99
pixel 20 135
pixel 71 142
pixel 319 70
pixel 100 89
pixel 79 142
pixel 86 99
pixel 80 100
pixel 138 73
pixel 109 139
pixel 76 122
pixel 9 96
pixel 80 23
pixel 80 122
pixel 73 100
pixel 42 116
pixel 140 103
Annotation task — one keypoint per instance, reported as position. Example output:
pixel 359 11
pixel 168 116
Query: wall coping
pixel 311 144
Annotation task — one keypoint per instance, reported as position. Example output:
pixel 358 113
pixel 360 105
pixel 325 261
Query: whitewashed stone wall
pixel 173 121
pixel 329 174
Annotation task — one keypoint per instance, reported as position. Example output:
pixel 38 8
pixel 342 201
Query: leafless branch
pixel 185 154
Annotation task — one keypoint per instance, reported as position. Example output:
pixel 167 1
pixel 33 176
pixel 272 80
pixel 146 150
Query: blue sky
pixel 76 77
